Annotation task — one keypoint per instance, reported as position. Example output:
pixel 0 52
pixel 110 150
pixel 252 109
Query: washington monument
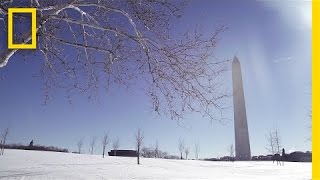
pixel 240 116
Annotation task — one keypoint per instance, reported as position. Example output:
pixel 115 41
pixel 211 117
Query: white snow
pixel 20 164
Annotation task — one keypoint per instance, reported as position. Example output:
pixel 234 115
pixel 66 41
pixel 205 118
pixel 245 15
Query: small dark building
pixel 299 156
pixel 265 158
pixel 227 158
pixel 212 159
pixel 124 153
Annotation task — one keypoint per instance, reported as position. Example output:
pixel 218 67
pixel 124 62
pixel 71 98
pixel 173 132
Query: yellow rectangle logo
pixel 33 44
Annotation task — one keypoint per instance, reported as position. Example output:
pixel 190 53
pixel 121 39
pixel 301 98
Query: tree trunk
pixel 138 156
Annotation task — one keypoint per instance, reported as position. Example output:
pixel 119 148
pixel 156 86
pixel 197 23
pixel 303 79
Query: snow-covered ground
pixel 19 164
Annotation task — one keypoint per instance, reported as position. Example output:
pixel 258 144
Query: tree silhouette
pixel 89 45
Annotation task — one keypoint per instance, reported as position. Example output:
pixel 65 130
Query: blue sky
pixel 272 40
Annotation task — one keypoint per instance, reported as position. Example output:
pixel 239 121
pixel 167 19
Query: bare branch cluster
pixel 156 150
pixel 150 152
pixel 153 152
pixel 3 139
pixel 88 45
pixel 79 145
pixel 274 143
pixel 115 145
pixel 181 147
pixel 92 144
pixel 186 151
pixel 231 151
pixel 105 142
pixel 196 150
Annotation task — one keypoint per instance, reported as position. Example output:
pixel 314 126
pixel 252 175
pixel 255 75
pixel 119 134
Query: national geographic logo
pixel 33 12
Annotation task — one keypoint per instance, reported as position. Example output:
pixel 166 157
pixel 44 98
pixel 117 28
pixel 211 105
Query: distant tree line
pixel 35 147
pixel 4 145
pixel 296 156
pixel 146 152
pixel 151 152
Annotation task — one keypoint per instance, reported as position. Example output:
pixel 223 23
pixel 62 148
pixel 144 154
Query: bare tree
pixel 231 152
pixel 186 151
pixel 156 150
pixel 309 119
pixel 105 142
pixel 117 42
pixel 181 147
pixel 139 141
pixel 115 145
pixel 274 142
pixel 277 141
pixel 3 140
pixel 196 149
pixel 79 145
pixel 310 125
pixel 92 144
pixel 271 144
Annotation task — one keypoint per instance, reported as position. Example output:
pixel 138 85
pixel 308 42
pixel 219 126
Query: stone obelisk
pixel 240 117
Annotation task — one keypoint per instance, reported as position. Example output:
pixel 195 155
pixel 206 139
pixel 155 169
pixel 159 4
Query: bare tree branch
pixel 92 144
pixel 274 142
pixel 89 45
pixel 105 142
pixel 186 151
pixel 139 141
pixel 196 150
pixel 231 153
pixel 115 145
pixel 156 150
pixel 181 147
pixel 3 140
pixel 79 145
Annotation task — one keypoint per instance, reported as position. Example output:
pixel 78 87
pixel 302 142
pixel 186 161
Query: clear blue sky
pixel 272 40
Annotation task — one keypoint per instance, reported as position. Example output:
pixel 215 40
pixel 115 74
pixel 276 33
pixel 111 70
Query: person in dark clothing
pixel 31 143
pixel 283 157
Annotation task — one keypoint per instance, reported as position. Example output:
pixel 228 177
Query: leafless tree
pixel 196 149
pixel 150 153
pixel 310 125
pixel 231 152
pixel 181 147
pixel 309 114
pixel 79 145
pixel 139 141
pixel 115 145
pixel 271 144
pixel 3 140
pixel 88 45
pixel 92 144
pixel 274 142
pixel 277 141
pixel 186 151
pixel 105 142
pixel 156 150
